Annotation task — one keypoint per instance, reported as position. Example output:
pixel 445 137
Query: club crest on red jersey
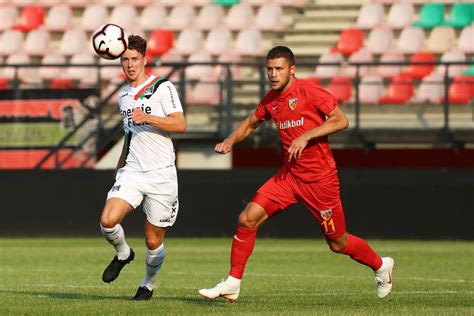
pixel 326 214
pixel 293 103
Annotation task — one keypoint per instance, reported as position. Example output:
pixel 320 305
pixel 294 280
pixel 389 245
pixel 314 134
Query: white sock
pixel 233 282
pixel 154 260
pixel 116 237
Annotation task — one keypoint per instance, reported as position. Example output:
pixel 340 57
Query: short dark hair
pixel 281 52
pixel 137 43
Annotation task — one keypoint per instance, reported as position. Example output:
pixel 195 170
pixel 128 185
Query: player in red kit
pixel 304 114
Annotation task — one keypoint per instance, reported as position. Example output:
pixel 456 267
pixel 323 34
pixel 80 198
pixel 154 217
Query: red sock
pixel 360 251
pixel 242 247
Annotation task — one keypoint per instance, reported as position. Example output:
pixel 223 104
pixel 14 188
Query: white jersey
pixel 148 147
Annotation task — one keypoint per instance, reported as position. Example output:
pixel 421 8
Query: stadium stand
pixel 334 31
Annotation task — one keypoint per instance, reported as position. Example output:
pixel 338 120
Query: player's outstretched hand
pixel 223 148
pixel 138 116
pixel 296 147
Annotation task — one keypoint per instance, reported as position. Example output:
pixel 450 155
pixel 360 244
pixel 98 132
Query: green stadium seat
pixel 431 15
pixel 470 70
pixel 225 3
pixel 461 15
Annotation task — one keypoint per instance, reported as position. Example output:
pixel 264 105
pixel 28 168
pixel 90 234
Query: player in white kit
pixel 146 172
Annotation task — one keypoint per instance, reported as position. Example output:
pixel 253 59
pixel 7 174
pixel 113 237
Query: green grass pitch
pixel 283 277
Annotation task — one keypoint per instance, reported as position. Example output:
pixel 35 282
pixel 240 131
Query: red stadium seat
pixel 461 91
pixel 31 17
pixel 3 83
pixel 420 71
pixel 341 88
pixel 160 42
pixel 400 91
pixel 61 83
pixel 350 41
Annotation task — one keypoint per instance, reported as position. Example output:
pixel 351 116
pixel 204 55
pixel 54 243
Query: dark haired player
pixel 304 114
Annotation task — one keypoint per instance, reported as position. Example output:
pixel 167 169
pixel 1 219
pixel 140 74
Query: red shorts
pixel 322 199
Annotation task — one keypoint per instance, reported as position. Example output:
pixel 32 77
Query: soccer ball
pixel 110 41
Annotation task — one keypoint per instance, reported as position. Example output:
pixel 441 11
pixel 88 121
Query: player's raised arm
pixel 248 125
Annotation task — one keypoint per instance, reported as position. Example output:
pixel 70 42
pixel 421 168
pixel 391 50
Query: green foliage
pixel 284 276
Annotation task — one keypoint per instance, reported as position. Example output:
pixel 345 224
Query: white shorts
pixel 158 189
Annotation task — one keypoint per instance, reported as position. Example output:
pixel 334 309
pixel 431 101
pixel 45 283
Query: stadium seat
pixel 79 73
pixel 4 83
pixel 340 88
pixel 152 18
pixel 370 16
pixel 48 73
pixel 124 15
pixel 370 89
pixel 400 91
pixel 388 71
pixel 159 42
pixel 441 39
pixel 206 92
pixel 210 16
pixel 322 71
pixel 21 73
pixel 465 42
pixel 400 15
pixel 61 83
pixel 350 40
pixel 31 17
pixel 199 71
pixel 229 57
pixel 189 41
pixel 461 91
pixel 420 71
pixel 431 15
pixel 218 41
pixel 361 56
pixel 11 41
pixel 454 55
pixel 94 16
pixel 171 56
pixel 37 42
pixel 108 72
pixel 411 40
pixel 199 3
pixel 461 15
pixel 181 16
pixel 239 17
pixel 470 69
pixel 380 40
pixel 59 18
pixel 430 89
pixel 226 3
pixel 73 42
pixel 249 42
pixel 8 16
pixel 140 3
pixel 168 3
pixel 269 17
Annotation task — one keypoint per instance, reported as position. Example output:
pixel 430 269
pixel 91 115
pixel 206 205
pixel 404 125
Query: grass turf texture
pixel 284 276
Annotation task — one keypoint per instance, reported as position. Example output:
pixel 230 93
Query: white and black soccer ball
pixel 110 41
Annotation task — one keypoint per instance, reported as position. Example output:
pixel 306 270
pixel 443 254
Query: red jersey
pixel 302 107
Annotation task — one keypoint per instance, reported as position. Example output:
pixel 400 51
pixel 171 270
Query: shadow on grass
pixel 71 296
pixel 198 301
